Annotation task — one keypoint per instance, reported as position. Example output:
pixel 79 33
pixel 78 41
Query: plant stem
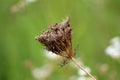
pixel 79 66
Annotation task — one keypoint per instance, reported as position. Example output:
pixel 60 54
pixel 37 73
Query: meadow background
pixel 94 24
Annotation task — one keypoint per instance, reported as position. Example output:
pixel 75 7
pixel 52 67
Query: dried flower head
pixel 58 39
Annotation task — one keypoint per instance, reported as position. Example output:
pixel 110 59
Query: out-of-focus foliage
pixel 94 24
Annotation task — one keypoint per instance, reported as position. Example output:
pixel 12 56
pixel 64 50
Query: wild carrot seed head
pixel 58 39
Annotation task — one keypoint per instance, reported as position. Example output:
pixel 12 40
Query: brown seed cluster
pixel 58 39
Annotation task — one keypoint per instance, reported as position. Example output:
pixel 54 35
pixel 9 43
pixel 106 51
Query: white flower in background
pixel 43 72
pixel 114 49
pixel 51 55
pixel 82 73
pixel 30 1
pixel 79 78
pixel 83 78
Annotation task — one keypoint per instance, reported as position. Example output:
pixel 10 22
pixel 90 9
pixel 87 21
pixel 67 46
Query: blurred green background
pixel 94 24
